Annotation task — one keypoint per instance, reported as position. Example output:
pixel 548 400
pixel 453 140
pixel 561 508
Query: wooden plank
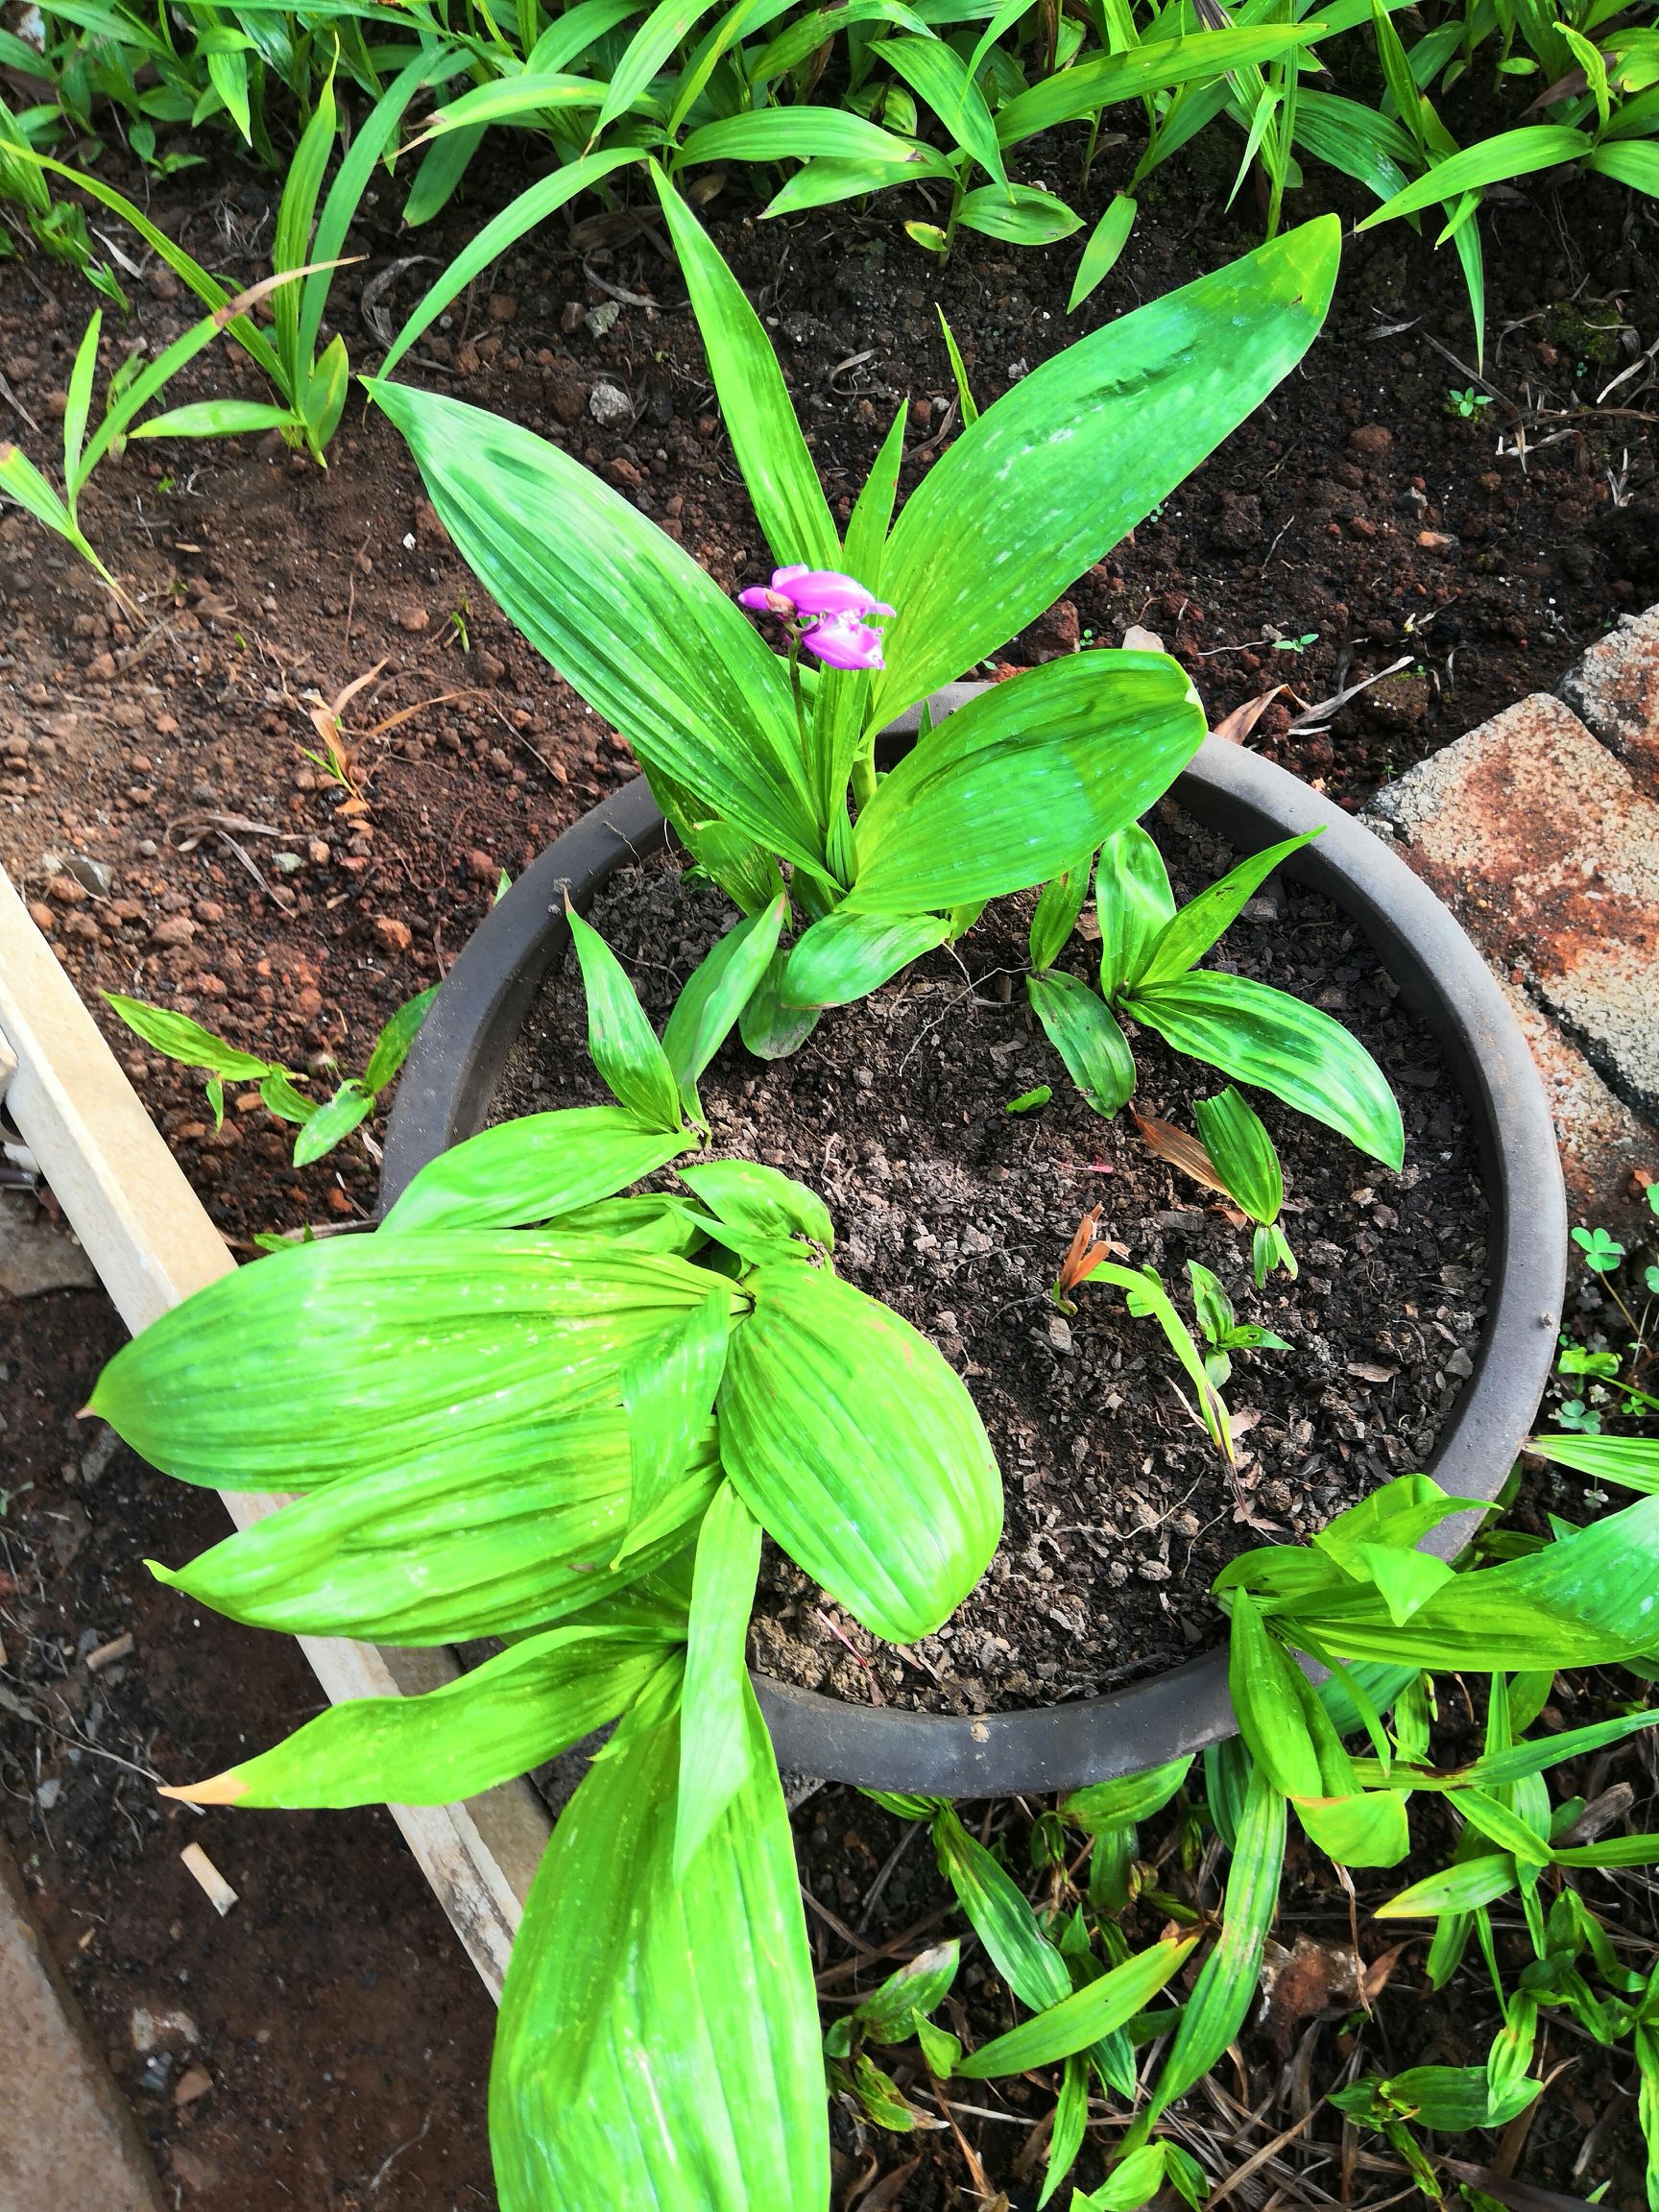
pixel 152 1244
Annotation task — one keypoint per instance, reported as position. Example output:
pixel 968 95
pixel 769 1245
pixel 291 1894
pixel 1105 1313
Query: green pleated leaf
pixel 632 1064
pixel 1459 1889
pixel 1154 66
pixel 1585 1600
pixel 798 134
pixel 1258 1035
pixel 769 1028
pixel 1105 1804
pixel 1365 1828
pixel 889 2013
pixel 1631 1461
pixel 333 1122
pixel 533 1169
pixel 1021 213
pixel 1242 1153
pixel 1056 913
pixel 391 1046
pixel 858 1450
pixel 716 1750
pixel 1230 1975
pixel 1267 1696
pixel 1085 1033
pixel 848 955
pixel 658 2042
pixel 942 78
pixel 715 993
pixel 779 471
pixel 826 179
pixel 669 1387
pixel 1186 936
pixel 1496 160
pixel 1001 1916
pixel 1106 242
pixel 1081 2019
pixel 1054 473
pixel 183 1040
pixel 1014 786
pixel 629 619
pixel 1132 902
pixel 525 1705
pixel 513 1536
pixel 362 1352
pixel 746 1194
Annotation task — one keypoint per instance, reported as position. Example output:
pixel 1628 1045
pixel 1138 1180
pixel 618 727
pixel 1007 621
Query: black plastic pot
pixel 450 1079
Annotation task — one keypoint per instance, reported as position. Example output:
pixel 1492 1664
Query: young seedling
pixel 1247 1168
pixel 1466 404
pixel 1219 1326
pixel 321 1123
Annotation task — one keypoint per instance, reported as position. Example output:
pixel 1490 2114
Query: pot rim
pixel 450 1079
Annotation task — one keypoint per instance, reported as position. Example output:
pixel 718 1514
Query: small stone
pixel 413 619
pixel 480 867
pixel 503 306
pixel 95 876
pixel 601 320
pixel 209 910
pixel 391 934
pixel 609 403
pixel 191 2086
pixel 101 668
pixel 1370 441
pixel 1060 1332
pixel 42 917
pixel 66 891
pixel 286 863
pixel 173 929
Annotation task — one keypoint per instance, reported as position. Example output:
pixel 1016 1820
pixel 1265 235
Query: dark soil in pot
pixel 957 1214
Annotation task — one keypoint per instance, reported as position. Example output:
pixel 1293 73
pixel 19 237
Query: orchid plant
pixel 764 763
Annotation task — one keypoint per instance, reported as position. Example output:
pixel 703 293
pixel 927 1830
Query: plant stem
pixel 795 693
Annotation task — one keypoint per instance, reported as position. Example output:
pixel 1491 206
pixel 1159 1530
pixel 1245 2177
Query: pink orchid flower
pixel 830 610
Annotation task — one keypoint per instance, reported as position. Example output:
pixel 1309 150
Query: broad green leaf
pixel 939 75
pixel 78 399
pixel 333 1121
pixel 1070 2124
pixel 1456 2097
pixel 796 133
pixel 1230 1976
pixel 621 1042
pixel 770 1029
pixel 1083 2018
pixel 824 182
pixel 1406 1579
pixel 533 1169
pixel 668 1386
pixel 849 954
pixel 526 1705
pixel 779 472
pixel 1085 1033
pixel 659 2041
pixel 1132 902
pixel 1134 2181
pixel 1364 1828
pixel 1020 213
pixel 1003 1918
pixel 1054 473
pixel 1459 1888
pixel 629 619
pixel 714 994
pixel 277 1090
pixel 1631 1461
pixel 858 1449
pixel 1057 911
pixel 1189 935
pixel 1585 1600
pixel 391 1046
pixel 1266 1688
pixel 663 31
pixel 1633 163
pixel 507 1533
pixel 747 1195
pixel 181 1039
pixel 517 99
pixel 716 1750
pixel 1241 1152
pixel 1495 160
pixel 1261 1035
pixel 1106 242
pixel 889 2013
pixel 1013 787
pixel 1492 1818
pixel 1106 1805
pixel 359 1353
pixel 1154 66
pixel 1399 1513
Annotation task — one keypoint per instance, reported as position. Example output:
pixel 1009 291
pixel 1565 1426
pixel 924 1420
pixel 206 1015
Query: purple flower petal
pixel 843 642
pixel 823 591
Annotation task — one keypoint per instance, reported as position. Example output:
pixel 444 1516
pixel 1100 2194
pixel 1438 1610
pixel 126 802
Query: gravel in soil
pixel 325 2045
pixel 1119 1511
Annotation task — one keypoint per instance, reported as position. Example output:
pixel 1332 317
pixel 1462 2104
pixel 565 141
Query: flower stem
pixel 795 694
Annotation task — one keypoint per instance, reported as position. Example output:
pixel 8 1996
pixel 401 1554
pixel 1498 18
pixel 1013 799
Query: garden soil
pixel 156 810
pixel 957 1213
